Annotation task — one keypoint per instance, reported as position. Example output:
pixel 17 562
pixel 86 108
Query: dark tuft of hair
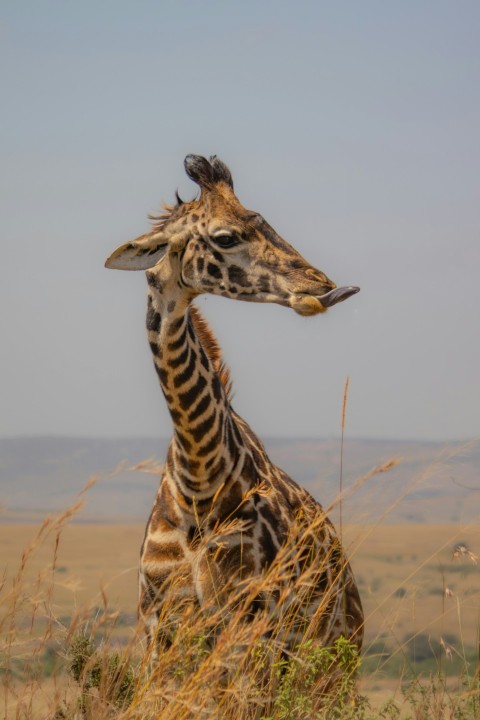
pixel 199 169
pixel 221 173
pixel 178 198
pixel 207 172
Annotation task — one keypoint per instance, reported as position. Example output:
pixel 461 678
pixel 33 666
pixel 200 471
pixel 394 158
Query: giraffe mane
pixel 167 210
pixel 212 348
pixel 158 221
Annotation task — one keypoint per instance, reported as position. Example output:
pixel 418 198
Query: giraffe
pixel 216 468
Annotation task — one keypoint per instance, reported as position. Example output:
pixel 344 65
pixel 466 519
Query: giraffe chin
pixel 306 305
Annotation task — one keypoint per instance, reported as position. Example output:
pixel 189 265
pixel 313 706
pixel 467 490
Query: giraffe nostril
pixel 319 277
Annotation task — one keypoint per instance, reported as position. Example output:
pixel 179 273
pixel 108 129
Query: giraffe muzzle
pixel 337 295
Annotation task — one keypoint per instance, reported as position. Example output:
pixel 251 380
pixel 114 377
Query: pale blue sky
pixel 351 126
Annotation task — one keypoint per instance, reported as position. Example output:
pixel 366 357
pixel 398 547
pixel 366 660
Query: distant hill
pixel 434 482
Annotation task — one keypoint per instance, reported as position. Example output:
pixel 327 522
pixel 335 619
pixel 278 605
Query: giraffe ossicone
pixel 217 470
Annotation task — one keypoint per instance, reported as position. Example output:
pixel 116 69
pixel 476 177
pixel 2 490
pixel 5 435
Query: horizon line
pixel 310 438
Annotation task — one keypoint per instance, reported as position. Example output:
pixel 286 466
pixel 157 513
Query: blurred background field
pixel 402 571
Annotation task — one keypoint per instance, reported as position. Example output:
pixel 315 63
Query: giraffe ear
pixel 140 254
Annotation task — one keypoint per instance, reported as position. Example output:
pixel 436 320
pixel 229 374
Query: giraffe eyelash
pixel 225 241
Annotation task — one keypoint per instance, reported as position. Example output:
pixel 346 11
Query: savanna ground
pixel 67 583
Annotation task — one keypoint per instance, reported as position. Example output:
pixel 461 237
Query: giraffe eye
pixel 225 241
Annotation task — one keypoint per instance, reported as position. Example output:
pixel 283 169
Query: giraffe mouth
pixel 337 295
pixel 303 303
pixel 310 304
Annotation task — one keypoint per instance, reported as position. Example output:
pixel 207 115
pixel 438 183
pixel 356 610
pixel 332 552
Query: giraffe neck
pixel 206 449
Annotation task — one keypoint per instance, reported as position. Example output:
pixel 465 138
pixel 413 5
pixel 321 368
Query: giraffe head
pixel 215 245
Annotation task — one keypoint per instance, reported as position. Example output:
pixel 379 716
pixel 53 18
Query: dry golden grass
pixel 63 575
pixel 237 675
pixel 67 583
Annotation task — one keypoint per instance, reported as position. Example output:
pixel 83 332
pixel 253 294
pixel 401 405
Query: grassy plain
pixel 421 597
pixel 402 571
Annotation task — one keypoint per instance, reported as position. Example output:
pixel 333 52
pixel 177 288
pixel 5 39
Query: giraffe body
pixel 217 472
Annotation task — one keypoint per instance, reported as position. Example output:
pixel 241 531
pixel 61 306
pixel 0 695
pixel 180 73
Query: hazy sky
pixel 353 127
